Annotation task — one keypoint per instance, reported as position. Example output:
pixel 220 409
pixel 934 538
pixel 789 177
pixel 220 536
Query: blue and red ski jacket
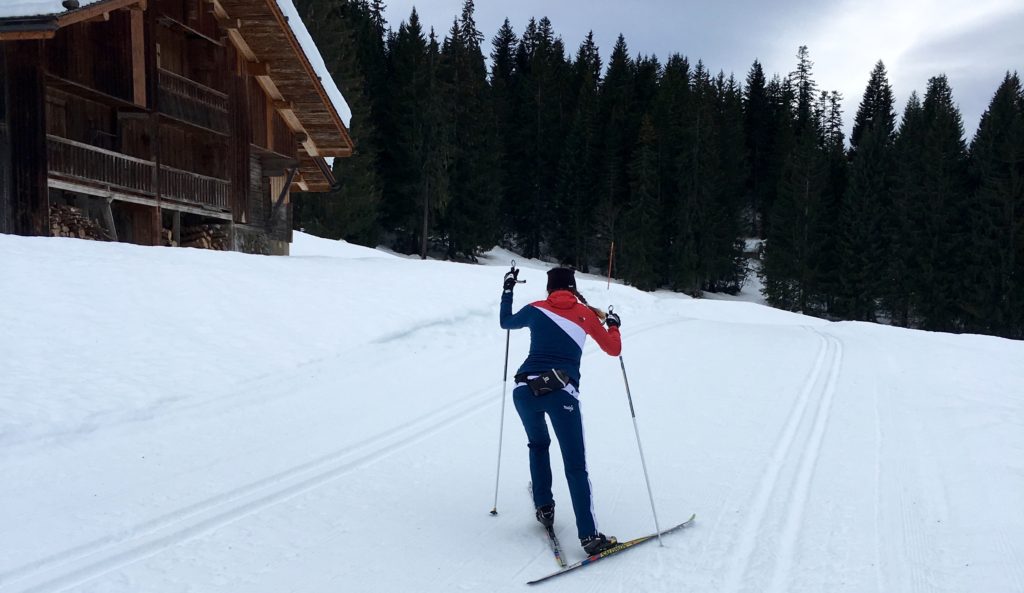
pixel 559 326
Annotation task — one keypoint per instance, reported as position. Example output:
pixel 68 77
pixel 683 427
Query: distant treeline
pixel 557 156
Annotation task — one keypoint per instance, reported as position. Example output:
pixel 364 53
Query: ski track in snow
pixel 86 562
pixel 821 381
pixel 808 462
pixel 80 564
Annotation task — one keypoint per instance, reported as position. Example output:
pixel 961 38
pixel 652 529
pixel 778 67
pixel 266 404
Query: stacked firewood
pixel 167 235
pixel 205 236
pixel 68 221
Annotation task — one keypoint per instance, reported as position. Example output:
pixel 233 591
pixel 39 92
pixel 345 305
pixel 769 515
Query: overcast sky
pixel 974 42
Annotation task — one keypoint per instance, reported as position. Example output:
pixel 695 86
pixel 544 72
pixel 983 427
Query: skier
pixel 547 383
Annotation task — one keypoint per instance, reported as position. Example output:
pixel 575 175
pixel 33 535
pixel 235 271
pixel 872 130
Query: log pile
pixel 205 236
pixel 167 235
pixel 68 221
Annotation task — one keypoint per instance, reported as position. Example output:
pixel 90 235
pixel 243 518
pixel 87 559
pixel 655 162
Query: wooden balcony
pixel 97 171
pixel 190 102
pixel 184 186
pixel 99 166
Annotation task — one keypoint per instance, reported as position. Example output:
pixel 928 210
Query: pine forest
pixel 670 173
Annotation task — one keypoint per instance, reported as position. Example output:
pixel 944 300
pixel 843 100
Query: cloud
pixel 974 43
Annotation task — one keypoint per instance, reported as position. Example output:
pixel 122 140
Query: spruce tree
pixel 470 219
pixel 806 91
pixel 541 121
pixel 942 245
pixel 503 101
pixel 419 138
pixel 759 135
pixel 781 99
pixel 726 264
pixel 792 266
pixel 833 142
pixel 639 247
pixel 863 239
pixel 996 264
pixel 902 228
pixel 672 106
pixel 578 166
pixel 696 189
pixel 618 139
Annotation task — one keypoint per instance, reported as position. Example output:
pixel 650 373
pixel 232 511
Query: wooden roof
pixel 262 33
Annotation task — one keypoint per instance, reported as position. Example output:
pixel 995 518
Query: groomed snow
pixel 184 420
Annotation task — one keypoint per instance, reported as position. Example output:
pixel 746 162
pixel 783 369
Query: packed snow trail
pixel 175 420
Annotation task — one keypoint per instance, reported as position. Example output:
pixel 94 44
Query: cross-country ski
pixel 616 549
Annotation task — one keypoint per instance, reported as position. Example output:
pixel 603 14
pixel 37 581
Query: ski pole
pixel 640 447
pixel 501 426
pixel 504 391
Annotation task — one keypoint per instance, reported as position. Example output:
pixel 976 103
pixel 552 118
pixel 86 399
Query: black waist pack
pixel 548 381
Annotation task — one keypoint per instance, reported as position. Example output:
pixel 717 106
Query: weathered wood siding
pixel 30 206
pixel 5 151
pixel 95 54
pixel 259 193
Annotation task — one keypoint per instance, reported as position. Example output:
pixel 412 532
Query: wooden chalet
pixel 163 122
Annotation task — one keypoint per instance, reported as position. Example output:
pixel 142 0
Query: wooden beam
pixel 239 42
pixel 26 35
pixel 100 18
pixel 336 152
pixel 228 24
pixel 92 11
pixel 257 68
pixel 194 33
pixel 80 90
pixel 268 119
pixel 138 32
pixel 108 217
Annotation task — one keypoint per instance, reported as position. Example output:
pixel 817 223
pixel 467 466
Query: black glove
pixel 511 278
pixel 612 320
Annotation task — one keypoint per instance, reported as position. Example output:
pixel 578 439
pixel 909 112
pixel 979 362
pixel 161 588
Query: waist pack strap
pixel 547 381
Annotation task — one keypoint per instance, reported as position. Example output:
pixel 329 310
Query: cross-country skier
pixel 548 383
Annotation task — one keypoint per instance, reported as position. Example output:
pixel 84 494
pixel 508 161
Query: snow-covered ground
pixel 179 420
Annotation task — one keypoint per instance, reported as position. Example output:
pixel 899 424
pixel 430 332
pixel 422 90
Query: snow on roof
pixel 27 8
pixel 315 59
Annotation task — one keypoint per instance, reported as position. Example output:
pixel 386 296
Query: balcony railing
pixel 192 102
pixel 192 187
pixel 113 170
pixel 98 165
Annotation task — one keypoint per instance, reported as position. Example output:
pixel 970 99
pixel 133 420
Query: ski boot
pixel 546 515
pixel 597 543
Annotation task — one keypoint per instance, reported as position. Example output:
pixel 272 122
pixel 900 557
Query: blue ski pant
pixel 564 410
